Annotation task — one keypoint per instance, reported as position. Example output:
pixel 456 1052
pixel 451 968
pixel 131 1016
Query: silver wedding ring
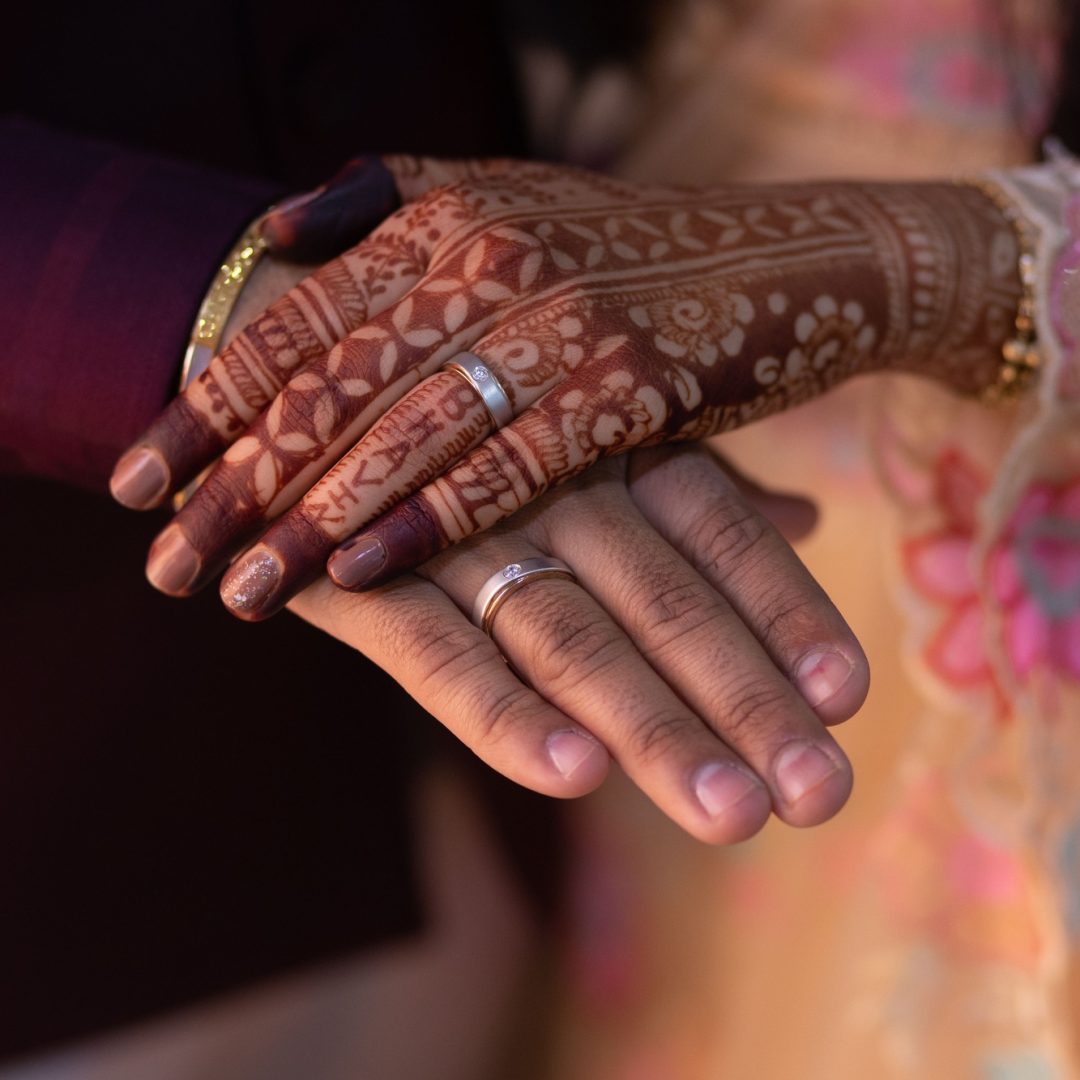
pixel 499 587
pixel 482 379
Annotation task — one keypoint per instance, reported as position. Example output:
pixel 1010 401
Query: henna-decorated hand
pixel 320 224
pixel 303 230
pixel 613 315
pixel 695 649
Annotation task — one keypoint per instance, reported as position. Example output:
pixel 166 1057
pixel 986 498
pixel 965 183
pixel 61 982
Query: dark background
pixel 188 803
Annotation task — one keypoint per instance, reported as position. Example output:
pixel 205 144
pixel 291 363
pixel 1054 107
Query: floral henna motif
pixel 431 428
pixel 293 332
pixel 751 340
pixel 615 316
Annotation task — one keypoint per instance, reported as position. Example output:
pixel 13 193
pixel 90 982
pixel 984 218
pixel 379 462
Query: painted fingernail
pixel 139 479
pixel 820 675
pixel 294 202
pixel 569 750
pixel 173 564
pixel 801 767
pixel 354 564
pixel 719 787
pixel 277 226
pixel 251 582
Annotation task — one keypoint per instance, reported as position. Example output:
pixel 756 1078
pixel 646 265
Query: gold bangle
pixel 214 312
pixel 219 301
pixel 1020 357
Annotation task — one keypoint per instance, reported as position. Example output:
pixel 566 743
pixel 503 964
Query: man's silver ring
pixel 499 587
pixel 482 379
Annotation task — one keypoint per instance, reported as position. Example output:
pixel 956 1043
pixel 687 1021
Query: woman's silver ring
pixel 482 379
pixel 499 587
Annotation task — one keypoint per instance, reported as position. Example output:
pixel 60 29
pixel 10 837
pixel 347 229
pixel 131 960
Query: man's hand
pixel 694 648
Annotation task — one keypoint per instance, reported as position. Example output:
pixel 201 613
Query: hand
pixel 695 648
pixel 614 316
pixel 302 230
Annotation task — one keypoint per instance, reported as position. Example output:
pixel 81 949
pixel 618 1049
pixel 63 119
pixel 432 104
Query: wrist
pixel 952 260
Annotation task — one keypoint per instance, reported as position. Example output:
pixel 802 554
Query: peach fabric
pixel 931 929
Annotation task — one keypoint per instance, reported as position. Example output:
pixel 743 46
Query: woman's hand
pixel 694 649
pixel 613 316
pixel 300 232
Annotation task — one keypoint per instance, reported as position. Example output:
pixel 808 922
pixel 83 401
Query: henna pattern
pixel 744 343
pixel 614 316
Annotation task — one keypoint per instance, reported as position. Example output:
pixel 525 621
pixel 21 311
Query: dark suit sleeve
pixel 105 255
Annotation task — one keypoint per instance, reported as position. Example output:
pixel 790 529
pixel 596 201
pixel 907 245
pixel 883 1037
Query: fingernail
pixel 719 787
pixel 820 675
pixel 354 564
pixel 274 226
pixel 173 564
pixel 294 202
pixel 139 479
pixel 568 750
pixel 801 767
pixel 251 581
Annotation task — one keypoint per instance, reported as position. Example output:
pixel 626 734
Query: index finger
pixel 415 632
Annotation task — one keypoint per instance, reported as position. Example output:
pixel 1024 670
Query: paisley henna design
pixel 615 316
pixel 919 278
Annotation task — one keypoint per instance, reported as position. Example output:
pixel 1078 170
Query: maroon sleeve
pixel 105 255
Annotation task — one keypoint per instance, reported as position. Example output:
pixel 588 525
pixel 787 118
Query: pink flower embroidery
pixel 1035 578
pixel 940 565
pixel 1033 572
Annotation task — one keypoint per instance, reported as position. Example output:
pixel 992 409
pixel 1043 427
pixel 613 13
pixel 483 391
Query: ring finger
pixel 574 655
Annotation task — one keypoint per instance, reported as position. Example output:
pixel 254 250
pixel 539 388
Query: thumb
pixel 317 225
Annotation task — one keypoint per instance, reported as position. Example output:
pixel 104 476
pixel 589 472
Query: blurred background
pixel 207 876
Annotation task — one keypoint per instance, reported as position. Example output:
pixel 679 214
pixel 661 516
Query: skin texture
pixel 614 316
pixel 694 649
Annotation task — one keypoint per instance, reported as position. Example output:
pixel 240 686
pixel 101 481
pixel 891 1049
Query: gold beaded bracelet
pixel 214 312
pixel 219 301
pixel 1020 357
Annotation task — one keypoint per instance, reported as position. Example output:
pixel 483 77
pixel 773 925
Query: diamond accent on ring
pixel 480 374
pixel 512 571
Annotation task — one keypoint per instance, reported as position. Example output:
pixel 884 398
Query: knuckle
pixel 658 737
pixel 415 630
pixel 666 606
pixel 570 511
pixel 489 715
pixel 441 203
pixel 436 216
pixel 445 671
pixel 568 645
pixel 726 533
pixel 222 499
pixel 750 710
pixel 502 254
pixel 785 617
pixel 406 428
